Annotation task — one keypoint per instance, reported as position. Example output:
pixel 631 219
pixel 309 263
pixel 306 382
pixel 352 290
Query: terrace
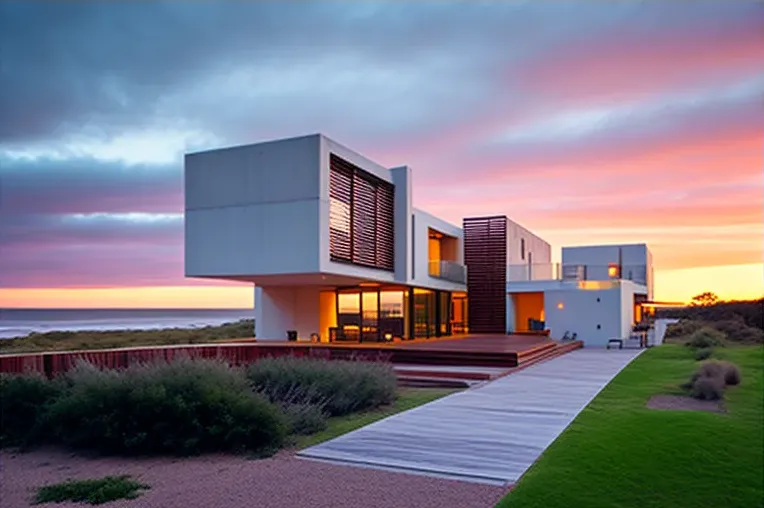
pixel 636 273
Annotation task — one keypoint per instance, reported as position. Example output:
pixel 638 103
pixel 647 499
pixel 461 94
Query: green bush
pixel 184 407
pixel 305 418
pixel 712 369
pixel 341 387
pixel 706 337
pixel 703 354
pixel 708 388
pixel 732 376
pixel 23 402
pixel 736 330
pixel 97 491
pixel 683 328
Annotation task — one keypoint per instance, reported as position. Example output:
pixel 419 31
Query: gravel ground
pixel 227 481
pixel 683 403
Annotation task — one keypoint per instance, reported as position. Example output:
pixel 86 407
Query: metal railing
pixel 448 270
pixel 592 272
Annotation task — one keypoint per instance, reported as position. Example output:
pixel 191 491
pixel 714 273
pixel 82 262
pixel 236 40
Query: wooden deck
pixel 505 351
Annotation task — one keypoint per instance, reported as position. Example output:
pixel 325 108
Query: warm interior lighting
pixel 560 305
pixel 612 271
pixel 388 337
pixel 368 285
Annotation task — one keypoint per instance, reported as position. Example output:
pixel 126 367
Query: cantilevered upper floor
pixel 309 211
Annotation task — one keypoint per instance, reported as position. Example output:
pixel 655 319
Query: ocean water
pixel 22 322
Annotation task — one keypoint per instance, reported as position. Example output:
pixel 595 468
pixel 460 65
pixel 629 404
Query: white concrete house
pixel 335 250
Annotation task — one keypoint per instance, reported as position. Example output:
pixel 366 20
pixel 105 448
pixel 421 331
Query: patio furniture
pixel 612 342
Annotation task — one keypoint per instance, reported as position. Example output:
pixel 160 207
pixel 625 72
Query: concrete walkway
pixel 491 434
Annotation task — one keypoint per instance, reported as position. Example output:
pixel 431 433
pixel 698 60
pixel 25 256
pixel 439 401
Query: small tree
pixel 704 299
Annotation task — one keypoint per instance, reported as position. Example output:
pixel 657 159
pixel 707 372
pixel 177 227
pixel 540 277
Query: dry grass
pixel 111 339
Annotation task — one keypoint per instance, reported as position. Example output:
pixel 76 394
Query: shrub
pixel 708 388
pixel 304 418
pixel 732 376
pixel 706 337
pixel 683 328
pixel 340 386
pixel 183 407
pixel 23 402
pixel 736 330
pixel 98 491
pixel 712 369
pixel 703 354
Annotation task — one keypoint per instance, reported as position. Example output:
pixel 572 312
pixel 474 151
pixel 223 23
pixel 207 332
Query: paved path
pixel 491 434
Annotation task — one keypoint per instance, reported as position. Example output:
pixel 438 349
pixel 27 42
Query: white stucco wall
pixel 659 330
pixel 278 309
pixel 422 222
pixel 540 251
pixel 253 209
pixel 510 314
pixel 537 251
pixel 582 312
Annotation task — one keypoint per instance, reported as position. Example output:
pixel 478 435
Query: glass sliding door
pixel 349 315
pixel 391 314
pixel 459 318
pixel 424 313
pixel 444 316
pixel 370 310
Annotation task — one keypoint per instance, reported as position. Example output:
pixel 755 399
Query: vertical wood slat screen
pixel 340 226
pixel 361 217
pixel 485 255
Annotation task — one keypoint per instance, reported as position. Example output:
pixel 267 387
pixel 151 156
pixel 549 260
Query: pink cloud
pixel 626 63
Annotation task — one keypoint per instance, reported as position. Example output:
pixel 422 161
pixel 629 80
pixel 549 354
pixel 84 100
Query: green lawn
pixel 619 454
pixel 409 398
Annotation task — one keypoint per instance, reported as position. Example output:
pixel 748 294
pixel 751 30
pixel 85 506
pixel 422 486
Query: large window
pixel 361 216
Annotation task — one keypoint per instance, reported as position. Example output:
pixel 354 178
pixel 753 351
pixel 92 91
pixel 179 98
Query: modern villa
pixel 338 253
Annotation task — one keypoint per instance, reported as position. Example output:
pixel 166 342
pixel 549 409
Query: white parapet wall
pixel 596 316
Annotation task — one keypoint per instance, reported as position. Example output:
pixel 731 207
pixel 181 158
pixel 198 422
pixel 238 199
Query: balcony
pixel 448 270
pixel 593 272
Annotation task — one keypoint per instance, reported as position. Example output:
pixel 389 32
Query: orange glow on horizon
pixel 733 282
pixel 160 297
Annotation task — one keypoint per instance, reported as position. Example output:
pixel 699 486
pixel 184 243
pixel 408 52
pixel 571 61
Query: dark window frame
pixel 371 206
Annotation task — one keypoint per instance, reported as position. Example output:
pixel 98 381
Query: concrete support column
pixel 278 309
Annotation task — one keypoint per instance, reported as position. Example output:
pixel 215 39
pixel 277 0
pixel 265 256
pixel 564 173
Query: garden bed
pixel 684 403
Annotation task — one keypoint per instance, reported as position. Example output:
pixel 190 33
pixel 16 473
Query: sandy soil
pixel 227 481
pixel 683 403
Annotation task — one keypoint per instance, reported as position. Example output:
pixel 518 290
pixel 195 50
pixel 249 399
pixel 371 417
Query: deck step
pixel 422 376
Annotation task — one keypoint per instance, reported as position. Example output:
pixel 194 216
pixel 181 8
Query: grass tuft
pixel 95 491
pixel 703 354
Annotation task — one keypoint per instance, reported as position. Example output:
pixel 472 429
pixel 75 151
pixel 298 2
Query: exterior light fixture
pixel 613 271
pixel 560 305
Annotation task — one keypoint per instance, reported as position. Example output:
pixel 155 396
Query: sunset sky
pixel 588 123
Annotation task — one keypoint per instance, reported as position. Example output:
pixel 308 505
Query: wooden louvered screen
pixel 386 226
pixel 340 220
pixel 361 217
pixel 485 255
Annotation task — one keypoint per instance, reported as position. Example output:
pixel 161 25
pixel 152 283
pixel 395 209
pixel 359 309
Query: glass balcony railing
pixel 448 270
pixel 591 272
